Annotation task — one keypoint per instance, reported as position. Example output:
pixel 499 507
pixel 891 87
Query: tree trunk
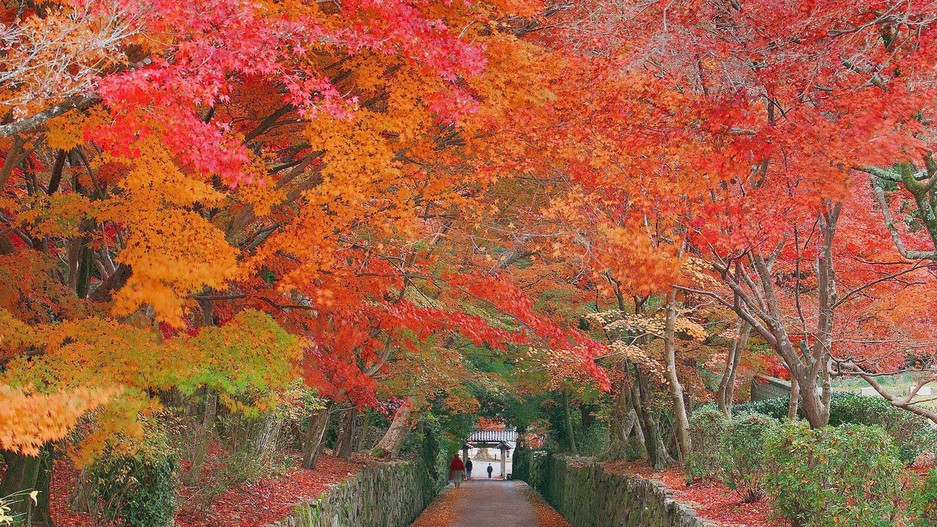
pixel 620 424
pixel 80 261
pixel 642 404
pixel 209 408
pixel 681 419
pixel 198 454
pixel 758 304
pixel 85 266
pixel 82 497
pixel 25 474
pixel 795 399
pixel 662 452
pixel 269 439
pixel 648 424
pixel 639 450
pixel 347 433
pixel 624 418
pixel 817 413
pixel 392 441
pixel 364 434
pixel 313 436
pixel 733 374
pixel 817 402
pixel 725 395
pixel 568 421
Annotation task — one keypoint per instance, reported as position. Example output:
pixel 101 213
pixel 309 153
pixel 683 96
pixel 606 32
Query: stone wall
pixel 380 495
pixel 587 496
pixel 764 387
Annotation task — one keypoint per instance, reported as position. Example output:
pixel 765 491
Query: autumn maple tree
pixel 274 181
pixel 737 152
pixel 218 201
pixel 711 152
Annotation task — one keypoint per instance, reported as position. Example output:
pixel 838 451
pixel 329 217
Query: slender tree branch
pixel 71 103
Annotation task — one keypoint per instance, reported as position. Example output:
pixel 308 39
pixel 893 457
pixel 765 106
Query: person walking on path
pixel 468 468
pixel 490 470
pixel 456 470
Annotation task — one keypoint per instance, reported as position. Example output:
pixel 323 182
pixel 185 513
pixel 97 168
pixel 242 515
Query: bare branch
pixel 904 404
pixel 71 103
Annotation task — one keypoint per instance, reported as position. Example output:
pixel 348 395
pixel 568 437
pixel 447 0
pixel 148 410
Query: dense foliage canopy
pixel 513 208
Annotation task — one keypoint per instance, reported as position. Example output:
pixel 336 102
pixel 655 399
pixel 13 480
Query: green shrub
pixel 136 490
pixel 833 477
pixel 237 468
pixel 923 502
pixel 133 482
pixel 775 408
pixel 922 440
pixel 911 433
pixel 853 408
pixel 592 441
pixel 743 447
pixel 707 427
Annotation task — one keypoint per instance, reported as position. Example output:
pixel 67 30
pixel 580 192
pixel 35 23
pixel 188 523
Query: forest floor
pixel 490 503
pixel 243 505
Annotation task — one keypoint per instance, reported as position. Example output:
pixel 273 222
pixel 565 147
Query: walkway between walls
pixel 490 503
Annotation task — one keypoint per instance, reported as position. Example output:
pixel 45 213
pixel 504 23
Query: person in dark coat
pixel 456 470
pixel 468 468
pixel 490 470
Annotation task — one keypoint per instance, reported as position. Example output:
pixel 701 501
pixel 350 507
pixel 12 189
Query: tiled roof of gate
pixel 494 435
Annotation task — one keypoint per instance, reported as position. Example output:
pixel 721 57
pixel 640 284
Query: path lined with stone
pixel 490 503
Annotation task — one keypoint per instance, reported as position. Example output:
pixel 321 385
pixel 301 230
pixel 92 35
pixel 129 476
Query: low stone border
pixel 380 495
pixel 587 496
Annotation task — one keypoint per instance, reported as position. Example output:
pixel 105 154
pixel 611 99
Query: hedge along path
pixel 483 503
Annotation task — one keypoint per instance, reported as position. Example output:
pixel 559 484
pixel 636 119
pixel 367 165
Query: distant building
pixel 491 447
